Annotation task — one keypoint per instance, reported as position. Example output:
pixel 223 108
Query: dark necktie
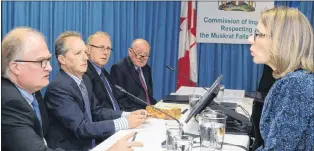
pixel 109 90
pixel 36 109
pixel 139 71
pixel 87 105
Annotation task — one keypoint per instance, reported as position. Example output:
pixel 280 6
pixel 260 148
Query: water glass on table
pixel 199 117
pixel 172 129
pixel 212 130
pixel 220 95
pixel 183 143
pixel 193 99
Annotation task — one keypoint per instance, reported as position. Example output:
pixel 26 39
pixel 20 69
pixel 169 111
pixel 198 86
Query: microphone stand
pixel 126 92
pixel 182 75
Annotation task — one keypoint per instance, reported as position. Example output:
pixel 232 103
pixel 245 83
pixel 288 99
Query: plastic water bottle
pixel 220 94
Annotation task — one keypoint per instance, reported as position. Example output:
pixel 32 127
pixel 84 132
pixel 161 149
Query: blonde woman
pixel 283 40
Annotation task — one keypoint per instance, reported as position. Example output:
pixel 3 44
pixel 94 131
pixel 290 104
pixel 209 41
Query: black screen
pixel 206 99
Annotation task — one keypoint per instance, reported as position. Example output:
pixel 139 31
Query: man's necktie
pixel 87 105
pixel 139 71
pixel 109 90
pixel 36 109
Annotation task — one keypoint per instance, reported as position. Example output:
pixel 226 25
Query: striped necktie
pixel 139 71
pixel 109 90
pixel 36 109
pixel 87 105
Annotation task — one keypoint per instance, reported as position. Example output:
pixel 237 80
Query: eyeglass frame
pixel 257 33
pixel 141 56
pixel 101 47
pixel 43 62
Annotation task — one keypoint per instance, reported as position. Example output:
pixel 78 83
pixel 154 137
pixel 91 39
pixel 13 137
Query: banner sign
pixel 228 21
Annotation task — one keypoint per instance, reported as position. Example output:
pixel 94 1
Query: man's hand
pixel 135 120
pixel 141 112
pixel 124 145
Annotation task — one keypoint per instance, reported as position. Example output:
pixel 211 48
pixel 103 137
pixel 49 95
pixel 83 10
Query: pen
pixel 133 139
pixel 184 111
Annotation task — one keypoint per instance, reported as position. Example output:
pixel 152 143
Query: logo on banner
pixel 248 6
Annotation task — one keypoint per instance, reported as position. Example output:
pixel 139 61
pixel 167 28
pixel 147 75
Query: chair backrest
pixel 265 84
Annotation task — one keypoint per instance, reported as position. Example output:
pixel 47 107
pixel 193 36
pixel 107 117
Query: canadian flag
pixel 187 58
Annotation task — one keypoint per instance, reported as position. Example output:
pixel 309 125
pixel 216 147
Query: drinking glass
pixel 183 143
pixel 172 129
pixel 212 130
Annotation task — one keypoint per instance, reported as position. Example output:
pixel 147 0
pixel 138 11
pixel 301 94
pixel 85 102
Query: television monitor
pixel 206 99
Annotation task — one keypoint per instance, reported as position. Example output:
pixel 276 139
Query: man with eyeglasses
pixel 135 76
pixel 98 51
pixel 25 70
pixel 77 119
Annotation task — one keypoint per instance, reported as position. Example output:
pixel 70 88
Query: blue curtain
pixel 157 22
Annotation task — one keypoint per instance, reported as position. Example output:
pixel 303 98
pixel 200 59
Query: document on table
pixel 231 93
pixel 184 90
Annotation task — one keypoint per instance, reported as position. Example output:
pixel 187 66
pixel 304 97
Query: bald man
pixel 135 76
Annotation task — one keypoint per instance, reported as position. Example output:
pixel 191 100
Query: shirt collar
pixel 97 68
pixel 76 79
pixel 28 96
pixel 136 67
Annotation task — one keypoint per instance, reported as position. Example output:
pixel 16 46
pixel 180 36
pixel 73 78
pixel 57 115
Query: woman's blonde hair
pixel 291 37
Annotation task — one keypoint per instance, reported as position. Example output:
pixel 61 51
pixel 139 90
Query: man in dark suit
pixel 25 70
pixel 98 51
pixel 135 76
pixel 76 117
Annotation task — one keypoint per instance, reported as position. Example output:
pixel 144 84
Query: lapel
pixel 99 81
pixel 76 90
pixel 133 72
pixel 95 75
pixel 108 78
pixel 37 127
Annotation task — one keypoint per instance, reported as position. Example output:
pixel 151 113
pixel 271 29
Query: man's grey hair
pixel 139 40
pixel 12 46
pixel 60 48
pixel 98 33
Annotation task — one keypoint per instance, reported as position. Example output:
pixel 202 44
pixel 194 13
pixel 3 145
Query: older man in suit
pixel 25 70
pixel 98 51
pixel 76 117
pixel 135 76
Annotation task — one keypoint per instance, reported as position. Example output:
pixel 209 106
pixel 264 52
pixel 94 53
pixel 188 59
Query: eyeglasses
pixel 102 47
pixel 42 62
pixel 140 56
pixel 257 33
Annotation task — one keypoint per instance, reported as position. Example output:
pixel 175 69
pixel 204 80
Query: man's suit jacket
pixel 99 87
pixel 124 74
pixel 20 127
pixel 70 127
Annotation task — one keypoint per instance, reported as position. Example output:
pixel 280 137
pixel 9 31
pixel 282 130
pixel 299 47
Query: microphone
pixel 128 93
pixel 171 69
